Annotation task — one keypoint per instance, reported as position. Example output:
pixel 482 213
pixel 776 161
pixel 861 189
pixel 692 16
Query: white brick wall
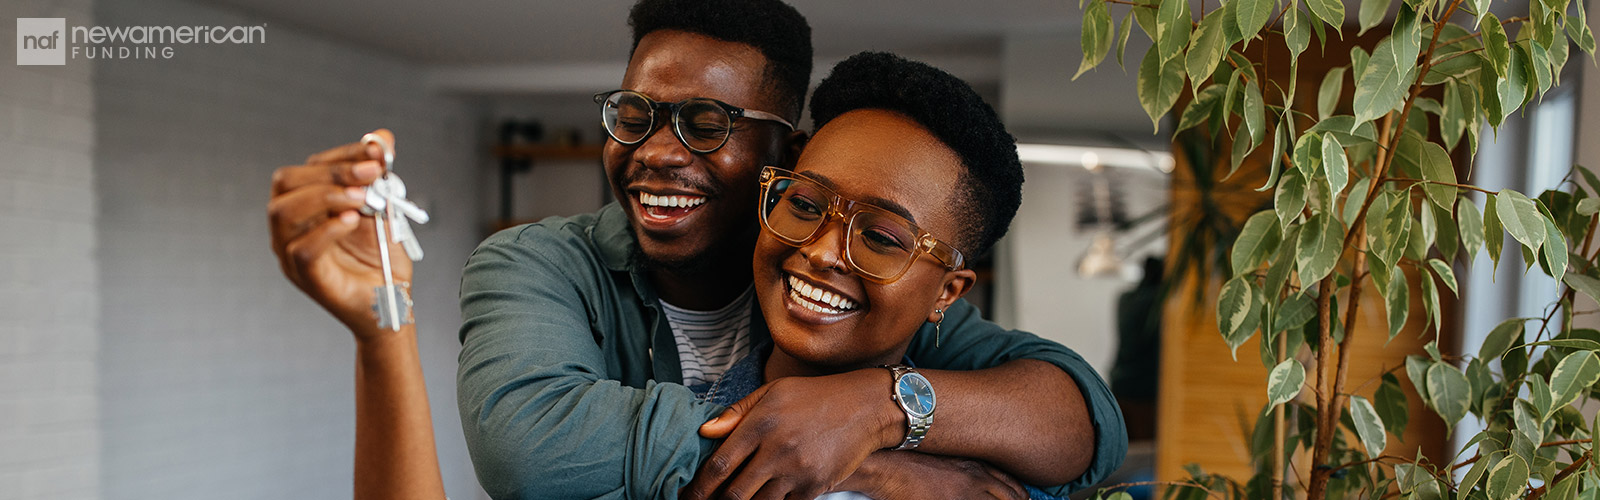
pixel 217 378
pixel 49 415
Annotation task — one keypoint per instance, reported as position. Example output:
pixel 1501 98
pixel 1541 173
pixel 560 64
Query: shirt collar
pixel 614 238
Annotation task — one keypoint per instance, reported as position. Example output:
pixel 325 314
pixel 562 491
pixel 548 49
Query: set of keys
pixel 387 203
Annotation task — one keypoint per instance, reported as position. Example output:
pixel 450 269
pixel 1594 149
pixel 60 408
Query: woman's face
pixel 885 159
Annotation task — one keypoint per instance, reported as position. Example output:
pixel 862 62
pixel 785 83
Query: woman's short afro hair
pixel 990 187
pixel 771 26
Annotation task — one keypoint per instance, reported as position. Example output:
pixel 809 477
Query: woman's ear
pixel 794 143
pixel 956 284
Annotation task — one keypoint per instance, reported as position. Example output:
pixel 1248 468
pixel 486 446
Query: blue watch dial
pixel 915 394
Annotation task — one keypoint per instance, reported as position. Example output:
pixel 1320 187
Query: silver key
pixel 387 196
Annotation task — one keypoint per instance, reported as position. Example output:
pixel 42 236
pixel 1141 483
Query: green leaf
pixel 1448 393
pixel 1200 108
pixel 1521 218
pixel 1430 293
pixel 1318 248
pixel 1539 66
pixel 1585 344
pixel 1334 164
pixel 1508 479
pixel 1391 403
pixel 1583 283
pixel 1294 312
pixel 1493 230
pixel 1470 225
pixel 1397 302
pixel 1329 11
pixel 1238 312
pixel 1159 84
pixel 1290 199
pixel 1332 87
pixel 1096 36
pixel 1372 13
pixel 1528 420
pixel 1249 16
pixel 1539 394
pixel 1284 382
pixel 1588 206
pixel 1308 154
pixel 1433 162
pixel 1447 275
pixel 1382 86
pixel 1513 89
pixel 1173 23
pixel 1258 239
pixel 1358 196
pixel 1572 376
pixel 1297 34
pixel 1500 339
pixel 1477 471
pixel 1122 36
pixel 1555 249
pixel 1358 61
pixel 1453 122
pixel 1496 47
pixel 1417 370
pixel 1448 241
pixel 1255 116
pixel 1205 50
pixel 1392 233
pixel 1489 96
pixel 1368 425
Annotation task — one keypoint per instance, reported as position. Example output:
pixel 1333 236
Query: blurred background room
pixel 151 348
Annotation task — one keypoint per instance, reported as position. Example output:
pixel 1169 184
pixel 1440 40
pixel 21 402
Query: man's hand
pixel 797 437
pixel 896 475
pixel 324 245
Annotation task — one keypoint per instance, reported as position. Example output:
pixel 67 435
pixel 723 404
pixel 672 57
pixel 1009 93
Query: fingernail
pixel 355 193
pixel 367 170
pixel 348 217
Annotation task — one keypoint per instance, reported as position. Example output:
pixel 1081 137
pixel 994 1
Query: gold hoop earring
pixel 936 328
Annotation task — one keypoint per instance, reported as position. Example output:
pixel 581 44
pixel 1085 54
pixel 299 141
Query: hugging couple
pixel 678 344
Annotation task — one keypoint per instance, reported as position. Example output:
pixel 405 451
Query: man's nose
pixel 662 149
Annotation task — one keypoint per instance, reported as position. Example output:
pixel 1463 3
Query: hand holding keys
pixel 387 196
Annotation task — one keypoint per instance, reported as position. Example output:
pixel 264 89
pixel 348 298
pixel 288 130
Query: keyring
pixel 388 149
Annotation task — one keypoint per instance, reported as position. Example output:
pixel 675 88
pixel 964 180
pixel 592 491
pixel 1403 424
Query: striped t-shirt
pixel 710 341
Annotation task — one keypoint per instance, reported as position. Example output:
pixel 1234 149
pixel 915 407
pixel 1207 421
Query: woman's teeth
pixel 801 290
pixel 670 201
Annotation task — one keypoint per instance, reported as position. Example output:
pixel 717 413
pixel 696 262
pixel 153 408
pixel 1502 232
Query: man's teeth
pixel 802 289
pixel 670 201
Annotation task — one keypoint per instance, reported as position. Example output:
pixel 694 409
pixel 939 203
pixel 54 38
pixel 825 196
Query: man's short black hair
pixel 771 26
pixel 989 189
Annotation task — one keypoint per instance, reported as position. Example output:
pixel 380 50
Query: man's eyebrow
pixel 879 202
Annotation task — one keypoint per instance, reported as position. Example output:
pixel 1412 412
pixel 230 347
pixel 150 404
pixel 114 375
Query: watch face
pixel 915 394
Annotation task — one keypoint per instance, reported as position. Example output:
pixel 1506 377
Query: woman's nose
pixel 827 250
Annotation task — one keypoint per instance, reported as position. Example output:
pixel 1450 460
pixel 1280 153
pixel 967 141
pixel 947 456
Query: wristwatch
pixel 915 396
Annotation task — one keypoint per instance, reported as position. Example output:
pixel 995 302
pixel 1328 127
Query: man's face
pixel 686 207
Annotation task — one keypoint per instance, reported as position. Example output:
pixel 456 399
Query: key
pixel 386 196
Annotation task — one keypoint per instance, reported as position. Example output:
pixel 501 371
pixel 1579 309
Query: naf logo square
pixel 41 41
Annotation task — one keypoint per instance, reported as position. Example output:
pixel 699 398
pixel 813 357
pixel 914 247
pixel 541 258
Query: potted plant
pixel 1361 198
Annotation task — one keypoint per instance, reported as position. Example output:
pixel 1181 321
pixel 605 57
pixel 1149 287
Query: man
pixel 581 334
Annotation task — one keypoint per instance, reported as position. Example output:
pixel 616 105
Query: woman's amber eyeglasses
pixel 879 245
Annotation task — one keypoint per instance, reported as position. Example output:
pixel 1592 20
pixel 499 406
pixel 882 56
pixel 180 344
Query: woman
pixel 863 243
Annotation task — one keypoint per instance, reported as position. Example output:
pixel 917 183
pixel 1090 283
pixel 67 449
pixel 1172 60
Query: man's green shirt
pixel 569 385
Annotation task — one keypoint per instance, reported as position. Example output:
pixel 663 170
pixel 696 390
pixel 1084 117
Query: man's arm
pixel 997 376
pixel 541 418
pixel 1029 406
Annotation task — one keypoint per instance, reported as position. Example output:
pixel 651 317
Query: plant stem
pixel 1278 464
pixel 1329 413
pixel 1135 4
pixel 1451 184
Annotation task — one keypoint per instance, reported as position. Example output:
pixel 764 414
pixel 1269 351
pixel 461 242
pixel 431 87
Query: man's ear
pixel 956 284
pixel 794 143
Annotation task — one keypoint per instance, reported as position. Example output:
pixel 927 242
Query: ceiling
pixel 543 32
